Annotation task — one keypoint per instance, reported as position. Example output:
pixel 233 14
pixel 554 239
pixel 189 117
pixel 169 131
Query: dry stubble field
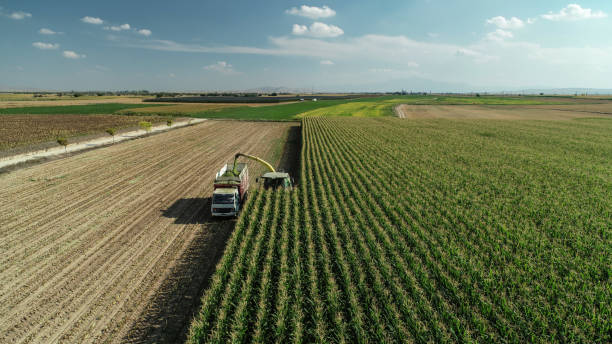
pixel 116 244
pixel 24 130
pixel 508 112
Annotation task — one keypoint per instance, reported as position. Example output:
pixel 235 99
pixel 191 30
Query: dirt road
pixel 540 112
pixel 115 244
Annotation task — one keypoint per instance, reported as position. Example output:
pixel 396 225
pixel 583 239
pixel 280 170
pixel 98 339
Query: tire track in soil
pixel 124 278
pixel 77 183
pixel 93 200
pixel 44 268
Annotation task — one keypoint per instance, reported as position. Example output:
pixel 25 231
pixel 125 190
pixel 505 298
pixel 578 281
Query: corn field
pixel 425 231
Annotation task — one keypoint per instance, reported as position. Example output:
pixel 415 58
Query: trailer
pixel 230 190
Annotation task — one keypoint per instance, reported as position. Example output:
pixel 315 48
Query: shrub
pixel 112 132
pixel 146 126
pixel 62 141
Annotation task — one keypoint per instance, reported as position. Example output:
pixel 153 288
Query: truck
pixel 230 190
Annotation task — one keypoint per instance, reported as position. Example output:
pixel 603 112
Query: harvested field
pixel 8 102
pixel 191 108
pixel 175 109
pixel 116 244
pixel 22 130
pixel 512 112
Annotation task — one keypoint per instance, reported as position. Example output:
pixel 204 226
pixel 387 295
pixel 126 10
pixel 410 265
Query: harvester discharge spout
pixel 271 179
pixel 265 163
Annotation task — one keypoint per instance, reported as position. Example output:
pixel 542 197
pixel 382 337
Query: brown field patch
pixel 180 108
pixel 190 108
pixel 512 112
pixel 8 103
pixel 116 244
pixel 22 130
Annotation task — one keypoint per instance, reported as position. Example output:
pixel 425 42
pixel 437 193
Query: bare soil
pixel 512 112
pixel 116 244
pixel 71 101
pixel 25 130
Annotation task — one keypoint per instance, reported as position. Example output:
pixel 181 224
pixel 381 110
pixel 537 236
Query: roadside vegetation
pixel 425 231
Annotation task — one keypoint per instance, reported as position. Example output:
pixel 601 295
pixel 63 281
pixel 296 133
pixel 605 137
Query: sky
pixel 351 45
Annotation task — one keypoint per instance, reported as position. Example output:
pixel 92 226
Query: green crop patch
pixel 98 109
pixel 432 230
pixel 274 112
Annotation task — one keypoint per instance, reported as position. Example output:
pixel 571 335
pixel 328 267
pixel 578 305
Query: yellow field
pixel 355 109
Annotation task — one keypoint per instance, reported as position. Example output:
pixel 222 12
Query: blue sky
pixel 325 45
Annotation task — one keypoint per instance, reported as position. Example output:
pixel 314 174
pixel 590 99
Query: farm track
pixel 85 243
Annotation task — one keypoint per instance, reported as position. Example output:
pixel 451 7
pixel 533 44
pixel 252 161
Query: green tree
pixel 169 122
pixel 63 142
pixel 112 132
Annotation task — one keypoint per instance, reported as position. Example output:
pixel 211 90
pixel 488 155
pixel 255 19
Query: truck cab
pixel 225 202
pixel 229 190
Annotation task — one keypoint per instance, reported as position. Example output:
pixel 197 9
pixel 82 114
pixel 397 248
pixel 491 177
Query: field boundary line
pixel 91 144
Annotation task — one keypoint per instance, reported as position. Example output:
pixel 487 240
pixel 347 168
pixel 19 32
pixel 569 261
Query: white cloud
pixel 171 75
pixel 531 20
pixel 102 68
pixel 221 67
pixel 45 31
pixel 69 54
pixel 121 27
pixel 19 68
pixel 20 15
pixel 299 29
pixel 433 34
pixel 317 29
pixel 312 12
pixel 369 47
pixel 574 12
pixel 45 46
pixel 92 20
pixel 503 23
pixel 504 64
pixel 380 70
pixel 499 35
pixel 144 32
pixel 327 62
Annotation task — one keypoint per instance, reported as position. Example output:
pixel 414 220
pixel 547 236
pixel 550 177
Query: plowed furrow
pixel 80 255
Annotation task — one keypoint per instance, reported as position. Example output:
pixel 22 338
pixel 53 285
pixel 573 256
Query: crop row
pixel 425 231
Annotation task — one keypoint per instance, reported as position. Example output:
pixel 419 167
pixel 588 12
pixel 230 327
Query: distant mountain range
pixel 409 85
